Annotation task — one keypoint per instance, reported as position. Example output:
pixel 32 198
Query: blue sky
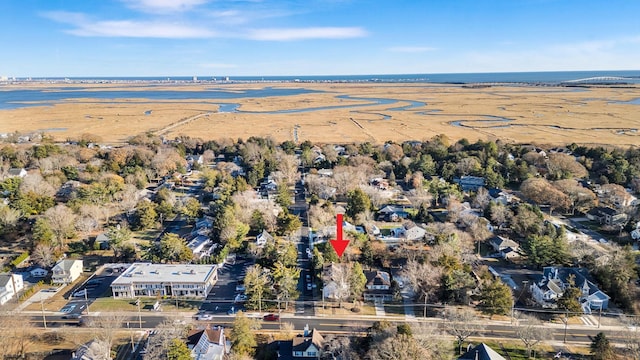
pixel 69 38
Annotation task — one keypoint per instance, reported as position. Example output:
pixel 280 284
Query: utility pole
pixel 86 300
pixel 139 315
pixel 44 318
pixel 131 333
pixel 566 321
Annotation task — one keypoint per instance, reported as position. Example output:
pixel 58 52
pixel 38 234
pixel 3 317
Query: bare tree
pixel 37 184
pixel 159 342
pixel 338 275
pixel 531 333
pixel 423 278
pixel 288 167
pixel 287 329
pixel 338 347
pixel 482 199
pixel 62 220
pixel 399 347
pixel 17 335
pixel 9 217
pixel 42 255
pixel 431 339
pixel 501 215
pixel 107 325
pixel 461 324
pixel 630 336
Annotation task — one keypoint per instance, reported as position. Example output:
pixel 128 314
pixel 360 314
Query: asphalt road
pixel 351 326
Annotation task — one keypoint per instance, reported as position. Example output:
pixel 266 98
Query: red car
pixel 271 317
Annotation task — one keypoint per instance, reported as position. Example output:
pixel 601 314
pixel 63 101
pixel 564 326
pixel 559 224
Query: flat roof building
pixel 183 280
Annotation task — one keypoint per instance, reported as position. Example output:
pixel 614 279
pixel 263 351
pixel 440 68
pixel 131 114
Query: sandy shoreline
pixel 553 115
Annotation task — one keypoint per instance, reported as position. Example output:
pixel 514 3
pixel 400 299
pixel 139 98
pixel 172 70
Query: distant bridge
pixel 599 79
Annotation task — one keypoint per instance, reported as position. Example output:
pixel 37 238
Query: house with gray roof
pixel 10 285
pixel 481 352
pixel 554 281
pixel 66 271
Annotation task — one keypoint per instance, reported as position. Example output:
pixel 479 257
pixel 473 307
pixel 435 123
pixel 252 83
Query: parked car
pixel 240 287
pixel 80 293
pixel 308 278
pixel 309 286
pixel 240 298
pixel 231 311
pixel 271 317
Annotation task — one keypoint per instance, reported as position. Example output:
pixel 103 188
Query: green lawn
pixel 146 305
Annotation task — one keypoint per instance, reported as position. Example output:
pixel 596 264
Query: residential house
pixel 151 280
pixel 303 347
pixel 555 281
pixel 263 238
pixel 198 244
pixel 92 350
pixel 470 183
pixel 507 248
pixel 66 271
pixel 307 346
pixel 208 344
pixel 607 216
pixel 378 286
pixel 481 352
pixel 102 241
pixel 392 213
pixel 413 232
pixel 10 285
pixel 197 160
pixel 325 172
pixel 16 172
pixel 38 272
pixel 499 196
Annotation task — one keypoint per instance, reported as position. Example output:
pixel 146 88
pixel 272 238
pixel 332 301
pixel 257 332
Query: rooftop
pixel 152 273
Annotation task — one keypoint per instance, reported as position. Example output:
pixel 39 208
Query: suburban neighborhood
pixel 223 249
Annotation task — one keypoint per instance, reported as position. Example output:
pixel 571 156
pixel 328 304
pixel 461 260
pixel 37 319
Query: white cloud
pixel 163 6
pixel 140 29
pixel 411 49
pixel 290 34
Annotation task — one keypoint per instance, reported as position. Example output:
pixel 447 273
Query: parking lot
pixel 96 286
pixel 221 297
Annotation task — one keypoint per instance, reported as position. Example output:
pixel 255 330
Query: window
pixel 311 353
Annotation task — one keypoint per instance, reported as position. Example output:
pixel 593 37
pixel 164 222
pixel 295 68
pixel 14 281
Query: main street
pixel 344 325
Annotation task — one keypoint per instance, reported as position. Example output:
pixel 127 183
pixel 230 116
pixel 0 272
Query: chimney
pixel 306 331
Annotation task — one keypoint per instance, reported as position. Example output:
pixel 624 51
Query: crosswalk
pixel 589 320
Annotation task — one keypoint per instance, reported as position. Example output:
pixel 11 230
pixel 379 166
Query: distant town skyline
pixel 65 38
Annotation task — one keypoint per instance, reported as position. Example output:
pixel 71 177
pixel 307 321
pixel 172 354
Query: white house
pixel 555 281
pixel 208 344
pixel 308 345
pixel 507 248
pixel 38 272
pixel 66 271
pixel 17 172
pixel 377 287
pixel 263 238
pixel 10 285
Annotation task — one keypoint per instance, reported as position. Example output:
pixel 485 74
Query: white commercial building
pixel 183 280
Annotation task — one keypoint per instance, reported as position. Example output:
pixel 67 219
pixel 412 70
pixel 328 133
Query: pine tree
pixel 496 298
pixel 601 348
pixel 178 350
pixel 243 340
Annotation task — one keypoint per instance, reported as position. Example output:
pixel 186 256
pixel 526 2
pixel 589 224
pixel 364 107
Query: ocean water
pixel 632 76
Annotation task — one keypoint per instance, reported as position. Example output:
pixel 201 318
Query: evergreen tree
pixel 601 348
pixel 357 281
pixel 243 340
pixel 496 298
pixel 178 350
pixel 357 202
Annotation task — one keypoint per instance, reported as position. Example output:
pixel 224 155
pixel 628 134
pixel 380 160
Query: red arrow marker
pixel 339 244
